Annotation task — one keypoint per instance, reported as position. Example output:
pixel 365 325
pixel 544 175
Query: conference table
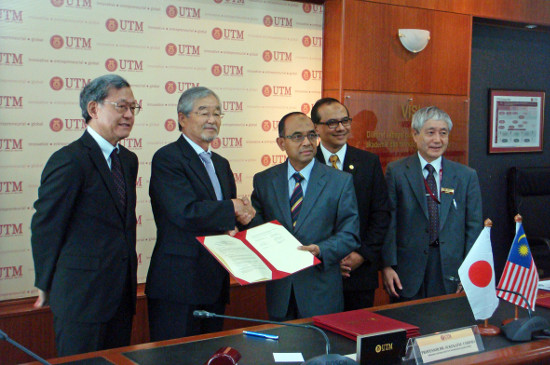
pixel 430 315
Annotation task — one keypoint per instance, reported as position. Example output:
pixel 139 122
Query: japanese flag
pixel 477 275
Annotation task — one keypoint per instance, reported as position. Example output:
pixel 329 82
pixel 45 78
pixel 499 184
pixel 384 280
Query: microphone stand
pixel 4 336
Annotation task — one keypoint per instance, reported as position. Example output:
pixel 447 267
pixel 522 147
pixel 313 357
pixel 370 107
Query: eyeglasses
pixel 299 138
pixel 122 107
pixel 207 115
pixel 333 123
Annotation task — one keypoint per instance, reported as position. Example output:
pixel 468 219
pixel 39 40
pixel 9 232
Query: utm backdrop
pixel 262 57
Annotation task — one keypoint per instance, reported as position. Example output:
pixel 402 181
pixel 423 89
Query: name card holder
pixel 381 348
pixel 444 345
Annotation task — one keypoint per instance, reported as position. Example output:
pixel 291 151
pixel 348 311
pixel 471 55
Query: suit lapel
pixel 197 166
pixel 447 181
pixel 280 188
pixel 100 163
pixel 315 186
pixel 416 182
pixel 350 161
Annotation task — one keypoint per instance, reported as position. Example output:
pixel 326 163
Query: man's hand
pixel 314 249
pixel 350 263
pixel 243 210
pixel 233 232
pixel 391 280
pixel 459 288
pixel 42 299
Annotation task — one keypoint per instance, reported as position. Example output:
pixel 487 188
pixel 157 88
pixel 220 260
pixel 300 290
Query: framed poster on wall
pixel 516 121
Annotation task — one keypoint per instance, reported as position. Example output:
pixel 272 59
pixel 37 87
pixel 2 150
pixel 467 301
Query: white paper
pixel 239 259
pixel 544 285
pixel 288 357
pixel 280 247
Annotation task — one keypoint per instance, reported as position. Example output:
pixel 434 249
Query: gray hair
pixel 189 96
pixel 430 112
pixel 98 89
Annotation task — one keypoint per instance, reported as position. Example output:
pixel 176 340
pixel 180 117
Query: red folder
pixel 543 298
pixel 362 322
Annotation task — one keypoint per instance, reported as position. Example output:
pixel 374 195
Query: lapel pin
pixel 448 191
pixel 351 167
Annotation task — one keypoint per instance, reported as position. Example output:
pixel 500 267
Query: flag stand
pixel 518 219
pixel 487 329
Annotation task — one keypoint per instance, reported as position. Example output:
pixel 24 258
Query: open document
pixel 263 253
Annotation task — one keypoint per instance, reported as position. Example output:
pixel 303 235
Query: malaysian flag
pixel 520 273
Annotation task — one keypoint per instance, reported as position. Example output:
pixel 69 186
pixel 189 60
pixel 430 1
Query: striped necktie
pixel 433 209
pixel 118 177
pixel 333 160
pixel 296 198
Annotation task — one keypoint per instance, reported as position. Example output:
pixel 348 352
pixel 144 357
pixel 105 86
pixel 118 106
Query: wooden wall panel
pixel 375 60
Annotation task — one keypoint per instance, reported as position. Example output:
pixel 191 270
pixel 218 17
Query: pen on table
pixel 262 335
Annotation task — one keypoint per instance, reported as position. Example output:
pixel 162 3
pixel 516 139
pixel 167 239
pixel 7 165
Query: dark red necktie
pixel 433 208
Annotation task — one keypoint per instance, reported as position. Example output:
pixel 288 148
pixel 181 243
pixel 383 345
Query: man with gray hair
pixel 436 214
pixel 84 229
pixel 193 193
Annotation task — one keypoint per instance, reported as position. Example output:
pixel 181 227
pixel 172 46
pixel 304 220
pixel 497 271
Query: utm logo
pixel 232 106
pixel 266 160
pixel 11 16
pixel 266 91
pixel 268 21
pixel 308 8
pixel 11 145
pixel 73 3
pixel 56 83
pixel 216 143
pixel 306 41
pixel 217 33
pixel 11 102
pixel 266 125
pixel 11 187
pixel 111 64
pixel 171 49
pixel 267 55
pixel 132 143
pixel 216 70
pixel 238 177
pixel 171 11
pixel 56 124
pixel 57 3
pixel 306 75
pixel 56 41
pixel 170 125
pixel 305 108
pixel 111 24
pixel 276 90
pixel 170 87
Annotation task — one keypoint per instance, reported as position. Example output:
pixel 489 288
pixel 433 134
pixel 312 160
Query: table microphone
pixel 327 358
pixel 523 329
pixel 4 336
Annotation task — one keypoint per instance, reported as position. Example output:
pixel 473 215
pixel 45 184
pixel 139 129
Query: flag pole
pixel 487 329
pixel 518 219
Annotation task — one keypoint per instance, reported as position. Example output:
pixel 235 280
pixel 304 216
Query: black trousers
pixel 358 299
pixel 168 320
pixel 72 337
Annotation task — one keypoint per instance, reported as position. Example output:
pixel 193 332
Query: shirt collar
pixel 106 147
pixel 341 153
pixel 305 172
pixel 198 149
pixel 435 163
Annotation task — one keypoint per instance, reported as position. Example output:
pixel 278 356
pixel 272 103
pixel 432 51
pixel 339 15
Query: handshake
pixel 244 212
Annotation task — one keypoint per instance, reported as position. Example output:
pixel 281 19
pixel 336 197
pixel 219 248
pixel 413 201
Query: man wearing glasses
pixel 193 193
pixel 360 267
pixel 84 228
pixel 317 205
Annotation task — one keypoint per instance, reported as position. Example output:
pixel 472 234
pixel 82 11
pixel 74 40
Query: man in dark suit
pixel 317 205
pixel 436 214
pixel 360 267
pixel 193 193
pixel 84 229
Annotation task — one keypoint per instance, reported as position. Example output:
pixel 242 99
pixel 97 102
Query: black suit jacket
pixel 83 243
pixel 185 206
pixel 374 213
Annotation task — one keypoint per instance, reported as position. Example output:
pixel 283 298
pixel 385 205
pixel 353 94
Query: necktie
pixel 333 160
pixel 296 198
pixel 118 177
pixel 433 209
pixel 207 159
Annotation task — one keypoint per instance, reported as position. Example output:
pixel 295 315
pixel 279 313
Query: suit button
pixel 425 252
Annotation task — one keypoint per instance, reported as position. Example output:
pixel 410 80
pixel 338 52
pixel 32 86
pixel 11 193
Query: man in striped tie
pixel 317 204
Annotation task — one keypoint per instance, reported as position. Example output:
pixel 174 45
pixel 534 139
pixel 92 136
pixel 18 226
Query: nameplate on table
pixel 444 345
pixel 381 348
